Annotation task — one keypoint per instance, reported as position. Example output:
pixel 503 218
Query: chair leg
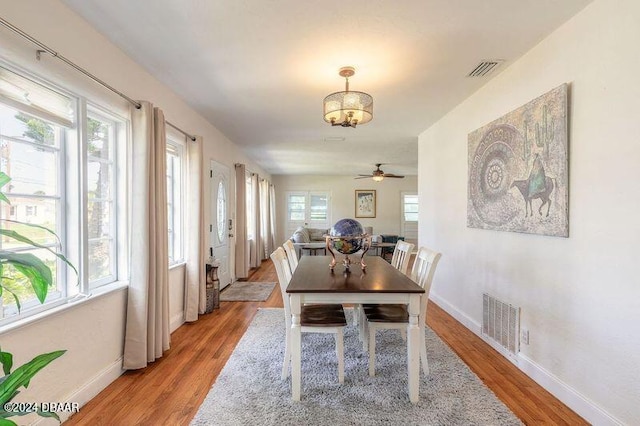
pixel 287 356
pixel 340 353
pixel 364 330
pixel 372 351
pixel 423 354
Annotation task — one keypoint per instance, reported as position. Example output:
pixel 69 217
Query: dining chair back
pixel 314 318
pixel 401 256
pixel 292 255
pixel 377 317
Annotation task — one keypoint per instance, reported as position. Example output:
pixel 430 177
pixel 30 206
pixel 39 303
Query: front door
pixel 221 226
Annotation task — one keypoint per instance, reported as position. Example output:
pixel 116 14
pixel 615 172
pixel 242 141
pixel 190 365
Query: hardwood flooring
pixel 170 390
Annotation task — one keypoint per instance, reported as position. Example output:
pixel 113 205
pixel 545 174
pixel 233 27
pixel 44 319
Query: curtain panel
pixel 272 209
pixel 147 324
pixel 266 219
pixel 256 233
pixel 195 298
pixel 241 249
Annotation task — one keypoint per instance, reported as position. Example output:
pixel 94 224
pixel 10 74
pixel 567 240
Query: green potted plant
pixel 25 269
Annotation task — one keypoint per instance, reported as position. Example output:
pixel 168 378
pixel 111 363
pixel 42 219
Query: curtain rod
pixel 193 138
pixel 47 49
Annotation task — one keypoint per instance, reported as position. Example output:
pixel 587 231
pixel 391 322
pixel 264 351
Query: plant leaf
pixel 33 225
pixel 17 236
pixel 23 374
pixel 5 422
pixel 15 296
pixel 4 179
pixel 7 362
pixel 33 268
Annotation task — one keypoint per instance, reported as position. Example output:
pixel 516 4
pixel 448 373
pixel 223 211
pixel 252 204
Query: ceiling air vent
pixel 485 68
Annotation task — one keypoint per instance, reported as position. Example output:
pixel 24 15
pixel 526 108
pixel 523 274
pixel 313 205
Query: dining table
pixel 314 282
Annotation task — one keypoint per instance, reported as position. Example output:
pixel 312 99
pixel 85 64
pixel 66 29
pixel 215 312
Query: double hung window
pixel 61 154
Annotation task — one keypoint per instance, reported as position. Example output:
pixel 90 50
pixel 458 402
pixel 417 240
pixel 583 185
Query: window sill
pixel 79 300
pixel 177 265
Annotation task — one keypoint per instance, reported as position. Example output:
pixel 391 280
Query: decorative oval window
pixel 222 211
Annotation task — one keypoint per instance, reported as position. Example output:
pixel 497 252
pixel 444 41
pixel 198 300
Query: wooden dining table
pixel 314 282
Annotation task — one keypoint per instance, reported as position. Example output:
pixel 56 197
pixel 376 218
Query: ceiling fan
pixel 378 175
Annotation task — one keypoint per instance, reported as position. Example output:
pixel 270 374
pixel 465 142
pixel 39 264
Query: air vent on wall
pixel 485 67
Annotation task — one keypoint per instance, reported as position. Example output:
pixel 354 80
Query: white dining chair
pixel 377 317
pixel 290 249
pixel 314 318
pixel 401 256
pixel 400 261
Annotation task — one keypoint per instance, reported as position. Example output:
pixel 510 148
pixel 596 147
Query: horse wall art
pixel 518 169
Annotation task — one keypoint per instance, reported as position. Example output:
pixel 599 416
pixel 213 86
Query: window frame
pixel 177 144
pixel 98 113
pixel 72 229
pixel 291 225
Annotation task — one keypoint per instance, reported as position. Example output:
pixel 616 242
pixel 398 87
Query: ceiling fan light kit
pixel 348 108
pixel 378 175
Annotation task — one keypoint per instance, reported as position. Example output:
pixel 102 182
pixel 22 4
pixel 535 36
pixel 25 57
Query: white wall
pixel 342 189
pixel 93 332
pixel 580 296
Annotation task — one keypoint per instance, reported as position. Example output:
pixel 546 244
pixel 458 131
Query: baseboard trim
pixel 569 396
pixel 584 407
pixel 90 389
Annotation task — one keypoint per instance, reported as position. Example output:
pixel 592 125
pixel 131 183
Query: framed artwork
pixel 518 169
pixel 365 203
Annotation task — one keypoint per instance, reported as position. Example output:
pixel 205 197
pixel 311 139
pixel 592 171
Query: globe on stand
pixel 347 237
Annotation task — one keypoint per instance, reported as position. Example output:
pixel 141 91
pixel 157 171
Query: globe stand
pixel 347 262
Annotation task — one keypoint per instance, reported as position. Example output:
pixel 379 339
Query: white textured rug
pixel 249 390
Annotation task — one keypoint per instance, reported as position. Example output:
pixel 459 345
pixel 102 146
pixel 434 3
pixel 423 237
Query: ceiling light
pixel 378 178
pixel 348 108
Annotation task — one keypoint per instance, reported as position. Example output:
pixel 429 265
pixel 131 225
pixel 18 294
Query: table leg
pixel 296 335
pixel 413 348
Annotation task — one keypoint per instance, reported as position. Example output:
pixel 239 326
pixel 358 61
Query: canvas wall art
pixel 518 169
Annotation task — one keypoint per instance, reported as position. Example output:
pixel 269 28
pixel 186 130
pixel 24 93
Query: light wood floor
pixel 169 391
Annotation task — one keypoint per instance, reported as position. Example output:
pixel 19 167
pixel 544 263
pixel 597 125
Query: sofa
pixel 304 235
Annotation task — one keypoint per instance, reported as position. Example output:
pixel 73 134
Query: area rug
pixel 249 389
pixel 246 291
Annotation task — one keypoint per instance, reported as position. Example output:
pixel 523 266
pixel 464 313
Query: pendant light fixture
pixel 348 108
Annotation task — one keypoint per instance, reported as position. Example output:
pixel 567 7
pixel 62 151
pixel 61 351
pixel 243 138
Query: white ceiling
pixel 259 69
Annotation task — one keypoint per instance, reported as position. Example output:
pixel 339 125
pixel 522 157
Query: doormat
pixel 247 291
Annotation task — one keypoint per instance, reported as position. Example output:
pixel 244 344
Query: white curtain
pixel 272 209
pixel 147 324
pixel 266 221
pixel 195 277
pixel 256 233
pixel 242 255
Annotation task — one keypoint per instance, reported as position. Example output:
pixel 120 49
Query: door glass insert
pixel 221 211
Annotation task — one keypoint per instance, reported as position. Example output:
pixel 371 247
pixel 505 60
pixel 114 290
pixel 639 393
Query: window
pixel 308 208
pixel 101 135
pixel 45 134
pixel 409 225
pixel 174 199
pixel 410 207
pixel 32 152
pixel 297 207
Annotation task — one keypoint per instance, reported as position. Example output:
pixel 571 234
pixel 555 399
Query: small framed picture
pixel 365 203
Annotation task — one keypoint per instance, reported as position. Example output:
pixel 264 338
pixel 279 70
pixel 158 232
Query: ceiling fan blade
pixel 360 174
pixel 362 177
pixel 389 175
